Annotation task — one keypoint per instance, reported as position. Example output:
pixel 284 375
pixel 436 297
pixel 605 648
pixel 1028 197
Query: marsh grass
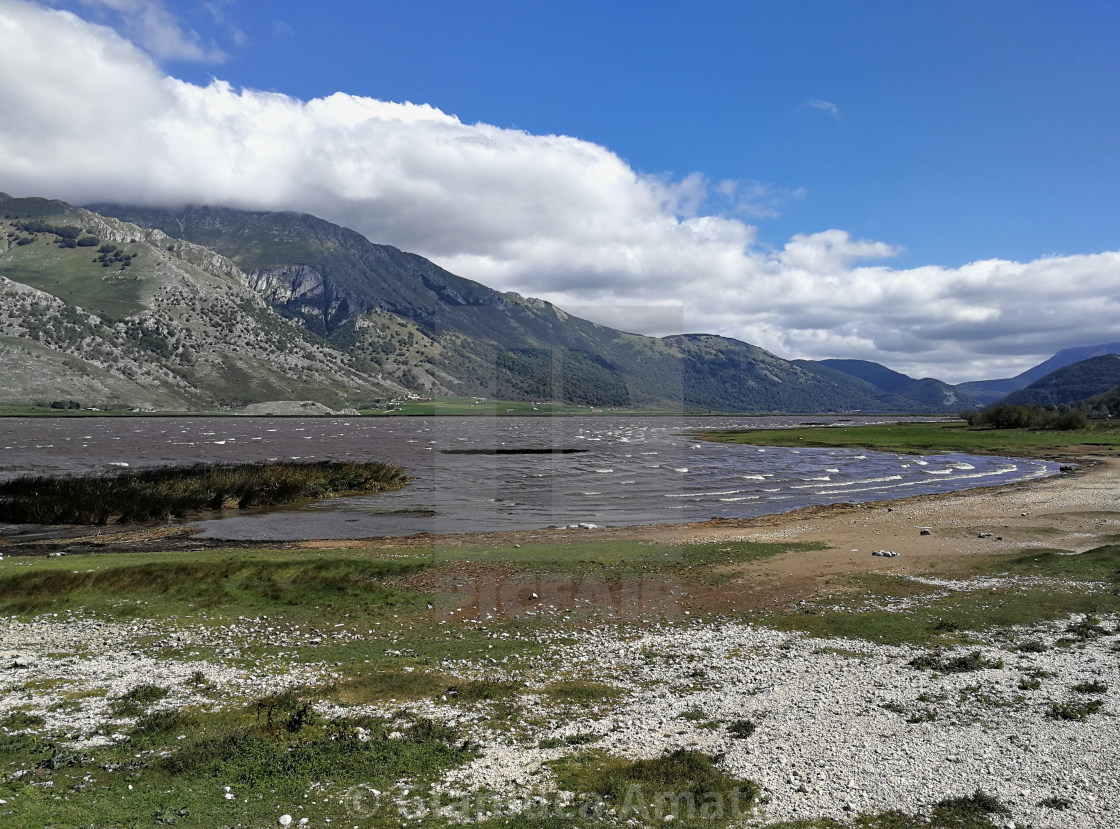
pixel 178 491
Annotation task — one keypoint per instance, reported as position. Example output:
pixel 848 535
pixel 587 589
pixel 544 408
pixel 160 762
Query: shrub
pixel 1076 711
pixel 974 661
pixel 741 729
pixel 1092 687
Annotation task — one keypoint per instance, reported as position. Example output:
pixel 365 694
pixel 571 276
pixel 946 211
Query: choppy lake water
pixel 610 471
pixel 613 471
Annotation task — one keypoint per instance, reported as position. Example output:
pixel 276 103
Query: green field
pixel 72 275
pixel 931 437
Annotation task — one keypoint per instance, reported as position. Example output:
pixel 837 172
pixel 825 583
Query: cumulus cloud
pixel 93 118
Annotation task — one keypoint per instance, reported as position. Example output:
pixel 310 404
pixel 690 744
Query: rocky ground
pixel 828 727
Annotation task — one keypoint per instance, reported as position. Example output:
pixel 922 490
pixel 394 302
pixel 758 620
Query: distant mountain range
pixel 201 307
pixel 989 391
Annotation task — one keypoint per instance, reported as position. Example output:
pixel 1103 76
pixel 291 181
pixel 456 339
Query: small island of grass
pixel 179 491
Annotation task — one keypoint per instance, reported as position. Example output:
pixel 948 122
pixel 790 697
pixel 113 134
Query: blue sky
pixel 960 130
pixel 806 170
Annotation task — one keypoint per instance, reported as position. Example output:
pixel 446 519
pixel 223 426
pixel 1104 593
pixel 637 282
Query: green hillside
pixel 1073 383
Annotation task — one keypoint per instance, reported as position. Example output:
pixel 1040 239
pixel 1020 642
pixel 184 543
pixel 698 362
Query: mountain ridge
pixel 196 307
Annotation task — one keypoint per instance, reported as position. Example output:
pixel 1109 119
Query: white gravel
pixel 825 745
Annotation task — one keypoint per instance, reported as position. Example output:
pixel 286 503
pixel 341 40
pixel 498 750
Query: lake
pixel 506 473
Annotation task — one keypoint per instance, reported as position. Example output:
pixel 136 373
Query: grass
pixel 620 559
pixel 683 783
pixel 136 700
pixel 71 275
pixel 940 620
pixel 581 692
pixel 164 492
pixel 279 755
pixel 275 757
pixel 1075 710
pixel 930 437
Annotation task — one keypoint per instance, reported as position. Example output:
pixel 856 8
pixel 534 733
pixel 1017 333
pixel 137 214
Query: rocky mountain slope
pixel 106 313
pixel 439 333
pixel 200 307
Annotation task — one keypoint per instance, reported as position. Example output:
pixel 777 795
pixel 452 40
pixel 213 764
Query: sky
pixel 933 186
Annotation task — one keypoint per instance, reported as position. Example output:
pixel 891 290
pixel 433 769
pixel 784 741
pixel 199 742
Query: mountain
pixel 1071 383
pixel 200 307
pixel 989 391
pixel 104 312
pixel 929 393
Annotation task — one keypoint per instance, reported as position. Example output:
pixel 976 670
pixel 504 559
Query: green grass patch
pixel 925 437
pixel 390 685
pixel 571 740
pixel 164 492
pixel 972 611
pixel 949 619
pixel 581 692
pixel 483 690
pixel 967 663
pixel 685 784
pixel 71 275
pixel 620 559
pixel 20 720
pixel 1091 687
pixel 298 585
pixel 1099 564
pixel 137 699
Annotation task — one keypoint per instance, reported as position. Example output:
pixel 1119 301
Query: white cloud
pixel 158 31
pixel 824 106
pixel 89 117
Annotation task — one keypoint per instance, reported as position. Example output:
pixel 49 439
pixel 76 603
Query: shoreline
pixel 844 526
